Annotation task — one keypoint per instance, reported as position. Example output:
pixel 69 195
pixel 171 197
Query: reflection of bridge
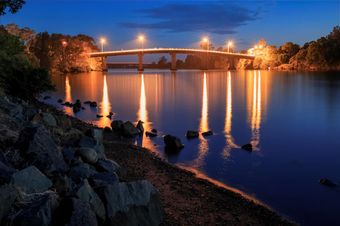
pixel 173 52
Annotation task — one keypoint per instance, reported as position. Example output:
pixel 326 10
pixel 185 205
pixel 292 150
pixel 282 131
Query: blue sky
pixel 182 23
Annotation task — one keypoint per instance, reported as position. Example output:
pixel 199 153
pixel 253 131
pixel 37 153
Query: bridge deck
pixel 168 51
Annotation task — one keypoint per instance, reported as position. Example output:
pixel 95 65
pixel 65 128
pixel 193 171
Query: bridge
pixel 172 51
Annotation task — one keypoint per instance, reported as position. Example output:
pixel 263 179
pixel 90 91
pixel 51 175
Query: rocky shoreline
pixel 74 173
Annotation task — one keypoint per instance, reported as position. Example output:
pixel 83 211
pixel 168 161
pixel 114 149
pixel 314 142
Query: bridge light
pixel 102 42
pixel 230 43
pixel 64 43
pixel 141 38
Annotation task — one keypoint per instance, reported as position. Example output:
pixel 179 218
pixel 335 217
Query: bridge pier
pixel 104 65
pixel 173 62
pixel 140 62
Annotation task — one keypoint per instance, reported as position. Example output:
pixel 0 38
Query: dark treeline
pixel 58 52
pixel 320 55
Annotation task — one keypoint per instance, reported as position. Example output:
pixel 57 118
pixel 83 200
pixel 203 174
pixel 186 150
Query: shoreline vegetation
pixel 60 53
pixel 181 196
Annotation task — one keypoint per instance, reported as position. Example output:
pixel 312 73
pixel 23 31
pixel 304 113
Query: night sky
pixel 182 23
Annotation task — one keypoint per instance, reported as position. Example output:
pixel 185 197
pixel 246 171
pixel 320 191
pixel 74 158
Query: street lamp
pixel 230 43
pixel 141 39
pixel 102 42
pixel 206 40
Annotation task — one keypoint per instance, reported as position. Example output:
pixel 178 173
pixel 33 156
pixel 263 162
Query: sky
pixel 171 23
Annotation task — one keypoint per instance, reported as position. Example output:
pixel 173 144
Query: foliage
pixel 11 5
pixel 18 77
pixel 64 53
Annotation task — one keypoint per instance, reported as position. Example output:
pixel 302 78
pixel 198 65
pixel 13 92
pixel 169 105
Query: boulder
pixel 97 134
pixel 76 108
pixel 40 150
pixel 327 182
pixel 87 102
pixel 62 184
pixel 64 122
pixel 107 165
pixel 88 155
pixel 8 195
pixel 87 194
pixel 29 113
pixel 81 214
pixel 207 133
pixel 150 134
pixel 129 129
pixel 93 104
pixel 89 142
pixel 140 127
pixel 81 171
pixel 34 209
pixel 31 180
pixel 36 119
pixel 48 119
pixel 5 173
pixel 154 131
pixel 133 203
pixel 247 147
pixel 172 142
pixel 192 134
pixel 8 135
pixel 100 180
pixel 117 125
pixel 70 156
pixel 71 137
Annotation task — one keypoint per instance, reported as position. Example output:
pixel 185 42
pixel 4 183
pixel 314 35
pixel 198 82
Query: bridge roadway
pixel 172 51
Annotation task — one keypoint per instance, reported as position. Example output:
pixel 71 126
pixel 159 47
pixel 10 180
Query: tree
pixel 18 77
pixel 11 5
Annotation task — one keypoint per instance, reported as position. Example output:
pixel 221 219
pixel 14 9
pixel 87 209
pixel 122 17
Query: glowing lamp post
pixel 141 38
pixel 230 43
pixel 102 42
pixel 206 40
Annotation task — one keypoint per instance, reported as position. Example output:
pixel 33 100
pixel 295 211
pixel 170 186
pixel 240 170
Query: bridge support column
pixel 140 62
pixel 173 62
pixel 233 63
pixel 104 65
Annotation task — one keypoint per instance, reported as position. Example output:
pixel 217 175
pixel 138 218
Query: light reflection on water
pixel 287 117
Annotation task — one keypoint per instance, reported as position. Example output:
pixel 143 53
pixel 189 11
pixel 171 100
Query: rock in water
pixel 41 151
pixel 31 180
pixel 192 134
pixel 247 147
pixel 116 125
pixel 82 214
pixel 172 142
pixel 34 209
pixel 150 134
pixel 49 119
pixel 133 203
pixel 87 194
pixel 140 127
pixel 129 129
pixel 8 195
pixel 207 133
pixel 93 104
pixel 88 155
pixel 327 182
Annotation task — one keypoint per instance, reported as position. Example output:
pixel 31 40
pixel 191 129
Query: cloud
pixel 205 17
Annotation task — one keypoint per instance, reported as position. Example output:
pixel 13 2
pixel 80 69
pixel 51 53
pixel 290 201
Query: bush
pixel 18 77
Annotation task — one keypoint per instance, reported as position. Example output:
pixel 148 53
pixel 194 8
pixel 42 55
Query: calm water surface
pixel 292 119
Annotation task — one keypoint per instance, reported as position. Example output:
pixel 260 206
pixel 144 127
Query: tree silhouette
pixel 11 5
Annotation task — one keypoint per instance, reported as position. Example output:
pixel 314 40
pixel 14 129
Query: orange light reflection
pixel 105 106
pixel 68 96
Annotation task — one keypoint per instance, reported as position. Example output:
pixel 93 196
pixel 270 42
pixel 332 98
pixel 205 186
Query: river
pixel 291 118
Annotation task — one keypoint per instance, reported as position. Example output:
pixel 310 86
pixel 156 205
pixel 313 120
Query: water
pixel 292 119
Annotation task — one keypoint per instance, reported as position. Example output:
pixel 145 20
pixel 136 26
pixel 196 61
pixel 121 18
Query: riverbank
pixel 187 199
pixel 176 196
